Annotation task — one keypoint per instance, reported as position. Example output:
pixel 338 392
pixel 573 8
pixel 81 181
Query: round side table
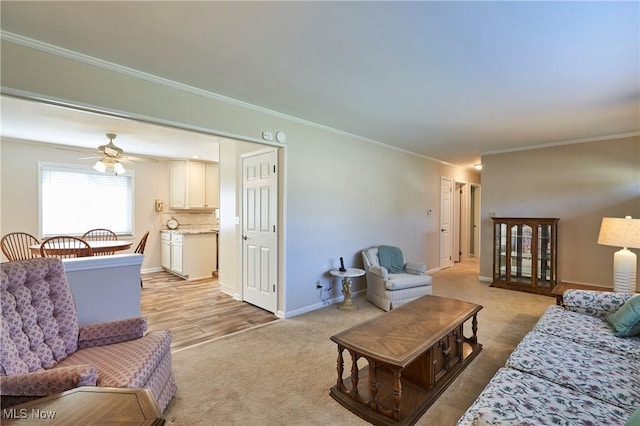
pixel 347 304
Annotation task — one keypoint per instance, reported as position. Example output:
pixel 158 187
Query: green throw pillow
pixel 634 420
pixel 626 320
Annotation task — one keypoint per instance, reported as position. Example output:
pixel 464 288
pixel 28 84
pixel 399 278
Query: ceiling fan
pixel 111 157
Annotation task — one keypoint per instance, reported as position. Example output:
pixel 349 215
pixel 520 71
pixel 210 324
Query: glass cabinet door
pixel 521 238
pixel 500 255
pixel 544 267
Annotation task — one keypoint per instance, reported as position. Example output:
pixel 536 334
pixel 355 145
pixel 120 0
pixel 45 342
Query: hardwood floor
pixel 195 311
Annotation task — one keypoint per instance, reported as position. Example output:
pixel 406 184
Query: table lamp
pixel 623 233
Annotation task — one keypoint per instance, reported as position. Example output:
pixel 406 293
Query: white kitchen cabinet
pixel 165 250
pixel 171 252
pixel 212 185
pixel 177 257
pixel 194 185
pixel 197 184
pixel 189 254
pixel 178 195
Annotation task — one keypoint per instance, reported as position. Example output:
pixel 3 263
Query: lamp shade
pixel 100 166
pixel 620 232
pixel 118 169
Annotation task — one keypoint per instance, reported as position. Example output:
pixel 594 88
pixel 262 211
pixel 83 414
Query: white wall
pixel 580 184
pixel 342 194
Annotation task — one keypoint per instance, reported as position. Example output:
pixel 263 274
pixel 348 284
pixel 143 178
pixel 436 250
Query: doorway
pixel 460 233
pixel 227 155
pixel 457 220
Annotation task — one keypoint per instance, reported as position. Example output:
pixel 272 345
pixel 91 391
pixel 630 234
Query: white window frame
pixel 88 170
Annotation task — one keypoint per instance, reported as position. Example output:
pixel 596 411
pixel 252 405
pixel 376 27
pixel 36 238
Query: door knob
pixel 244 237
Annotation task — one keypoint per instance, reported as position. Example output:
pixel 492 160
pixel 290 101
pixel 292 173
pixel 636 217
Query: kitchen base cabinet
pixel 191 255
pixel 165 250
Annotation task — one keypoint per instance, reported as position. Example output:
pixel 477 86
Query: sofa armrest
pixel 107 333
pixel 379 271
pixel 595 303
pixel 415 268
pixel 47 382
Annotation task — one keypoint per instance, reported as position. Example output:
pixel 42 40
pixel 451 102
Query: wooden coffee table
pixel 412 354
pixel 88 405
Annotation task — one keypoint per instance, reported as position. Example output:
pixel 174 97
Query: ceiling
pixel 447 80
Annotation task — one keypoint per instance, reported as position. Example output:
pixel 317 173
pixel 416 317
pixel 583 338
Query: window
pixel 75 199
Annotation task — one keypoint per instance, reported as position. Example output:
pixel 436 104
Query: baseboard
pixel 226 289
pixel 319 305
pixel 485 279
pixel 149 270
pixel 230 290
pixel 605 286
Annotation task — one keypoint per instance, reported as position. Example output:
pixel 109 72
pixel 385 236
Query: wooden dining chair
pixel 141 245
pixel 15 246
pixel 100 234
pixel 65 247
pixel 140 248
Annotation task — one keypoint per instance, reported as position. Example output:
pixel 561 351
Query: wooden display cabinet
pixel 525 254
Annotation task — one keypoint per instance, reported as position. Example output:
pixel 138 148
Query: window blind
pixel 75 199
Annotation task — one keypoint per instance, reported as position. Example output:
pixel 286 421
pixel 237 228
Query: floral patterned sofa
pixel 44 350
pixel 571 369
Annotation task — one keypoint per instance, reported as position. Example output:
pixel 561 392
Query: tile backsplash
pixel 191 220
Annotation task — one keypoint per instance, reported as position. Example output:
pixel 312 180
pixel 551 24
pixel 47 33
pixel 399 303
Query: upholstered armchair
pixel 44 350
pixel 388 290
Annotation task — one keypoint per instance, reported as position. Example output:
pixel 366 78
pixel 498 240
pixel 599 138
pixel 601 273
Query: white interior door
pixel 475 220
pixel 446 193
pixel 259 246
pixel 458 231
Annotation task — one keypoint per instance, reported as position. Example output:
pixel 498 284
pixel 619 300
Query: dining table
pixel 97 246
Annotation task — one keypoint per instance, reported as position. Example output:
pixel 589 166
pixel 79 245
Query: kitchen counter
pixel 191 231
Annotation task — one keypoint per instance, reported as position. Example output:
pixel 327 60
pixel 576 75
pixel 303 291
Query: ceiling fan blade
pixel 109 150
pixel 137 158
pixel 74 149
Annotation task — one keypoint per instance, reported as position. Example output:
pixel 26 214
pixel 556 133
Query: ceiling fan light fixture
pixel 118 168
pixel 100 166
pixel 111 155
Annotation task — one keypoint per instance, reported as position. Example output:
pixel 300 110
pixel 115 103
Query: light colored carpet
pixel 281 373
